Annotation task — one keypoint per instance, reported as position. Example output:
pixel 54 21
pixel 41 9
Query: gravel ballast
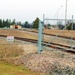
pixel 47 64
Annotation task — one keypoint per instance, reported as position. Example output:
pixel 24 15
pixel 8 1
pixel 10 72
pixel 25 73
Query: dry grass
pixel 26 34
pixel 28 48
pixel 15 49
pixel 68 33
pixel 17 33
pixel 53 62
pixel 10 51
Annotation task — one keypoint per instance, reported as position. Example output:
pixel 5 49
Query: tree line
pixel 69 25
pixel 8 22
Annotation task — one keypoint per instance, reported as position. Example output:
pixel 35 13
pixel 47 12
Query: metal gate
pixel 41 42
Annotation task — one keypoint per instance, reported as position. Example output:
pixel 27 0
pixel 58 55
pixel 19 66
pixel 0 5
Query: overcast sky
pixel 28 10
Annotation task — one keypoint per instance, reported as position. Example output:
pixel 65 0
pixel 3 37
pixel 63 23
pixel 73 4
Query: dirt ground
pixel 68 33
pixel 30 35
pixel 51 62
pixel 17 33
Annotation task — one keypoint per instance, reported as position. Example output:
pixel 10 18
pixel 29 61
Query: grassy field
pixel 8 69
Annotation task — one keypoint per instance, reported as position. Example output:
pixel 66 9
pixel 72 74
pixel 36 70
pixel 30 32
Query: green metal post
pixel 40 37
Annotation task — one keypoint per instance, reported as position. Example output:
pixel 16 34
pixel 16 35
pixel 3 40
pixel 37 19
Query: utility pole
pixel 66 13
pixel 57 15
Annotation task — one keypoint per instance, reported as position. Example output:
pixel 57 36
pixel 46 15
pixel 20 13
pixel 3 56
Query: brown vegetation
pixel 7 51
pixel 17 33
pixel 68 33
pixel 51 62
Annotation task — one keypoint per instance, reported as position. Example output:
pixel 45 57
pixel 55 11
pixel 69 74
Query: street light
pixel 57 12
pixel 57 15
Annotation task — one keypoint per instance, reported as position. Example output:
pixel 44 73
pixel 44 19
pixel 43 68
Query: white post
pixel 66 13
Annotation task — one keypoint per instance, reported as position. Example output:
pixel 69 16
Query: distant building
pixel 15 26
pixel 50 27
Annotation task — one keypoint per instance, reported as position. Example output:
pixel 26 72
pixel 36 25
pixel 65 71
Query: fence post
pixel 40 37
pixel 72 34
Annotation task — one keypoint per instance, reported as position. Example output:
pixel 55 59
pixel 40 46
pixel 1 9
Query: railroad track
pixel 65 37
pixel 52 45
